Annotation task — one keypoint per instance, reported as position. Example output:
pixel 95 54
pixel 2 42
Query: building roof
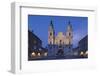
pixel 33 35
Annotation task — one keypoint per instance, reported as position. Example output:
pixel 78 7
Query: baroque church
pixel 60 44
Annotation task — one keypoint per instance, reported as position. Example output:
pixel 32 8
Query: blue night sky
pixel 40 23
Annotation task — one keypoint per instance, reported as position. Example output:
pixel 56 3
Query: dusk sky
pixel 39 24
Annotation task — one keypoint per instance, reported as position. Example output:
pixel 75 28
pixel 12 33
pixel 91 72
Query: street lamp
pixel 81 53
pixel 38 54
pixel 45 54
pixel 33 54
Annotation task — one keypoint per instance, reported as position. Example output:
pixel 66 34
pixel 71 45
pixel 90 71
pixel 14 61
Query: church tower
pixel 69 34
pixel 51 34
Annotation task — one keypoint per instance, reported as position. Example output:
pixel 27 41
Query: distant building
pixel 62 43
pixel 35 49
pixel 33 40
pixel 82 49
pixel 83 46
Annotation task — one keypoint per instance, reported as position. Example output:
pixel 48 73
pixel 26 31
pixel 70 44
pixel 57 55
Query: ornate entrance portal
pixel 60 51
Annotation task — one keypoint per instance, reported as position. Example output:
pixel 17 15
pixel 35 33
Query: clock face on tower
pixel 57 37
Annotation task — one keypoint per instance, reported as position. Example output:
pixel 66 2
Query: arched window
pixel 69 33
pixel 50 34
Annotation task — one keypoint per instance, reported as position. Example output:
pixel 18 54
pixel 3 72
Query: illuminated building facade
pixel 62 43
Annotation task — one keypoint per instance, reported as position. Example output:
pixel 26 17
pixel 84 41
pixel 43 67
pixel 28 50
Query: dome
pixel 60 34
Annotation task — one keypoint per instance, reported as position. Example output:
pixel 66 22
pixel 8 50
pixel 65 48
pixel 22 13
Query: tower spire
pixel 69 33
pixel 51 24
pixel 51 33
pixel 69 25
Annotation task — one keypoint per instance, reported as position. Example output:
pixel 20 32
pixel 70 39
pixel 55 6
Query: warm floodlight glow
pixel 81 53
pixel 33 54
pixel 45 54
pixel 38 54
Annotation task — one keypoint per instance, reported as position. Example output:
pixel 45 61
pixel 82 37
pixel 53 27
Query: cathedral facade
pixel 60 44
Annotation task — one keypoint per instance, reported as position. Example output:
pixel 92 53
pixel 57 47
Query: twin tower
pixel 61 38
